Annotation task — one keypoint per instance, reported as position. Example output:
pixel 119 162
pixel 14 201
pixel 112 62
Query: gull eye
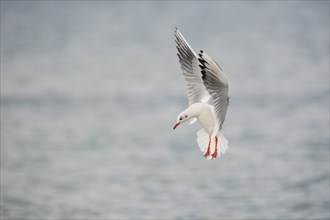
pixel 180 118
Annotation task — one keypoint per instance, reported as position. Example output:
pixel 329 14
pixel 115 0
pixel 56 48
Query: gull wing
pixel 191 70
pixel 216 84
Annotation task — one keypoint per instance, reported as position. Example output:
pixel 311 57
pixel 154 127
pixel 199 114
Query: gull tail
pixel 203 141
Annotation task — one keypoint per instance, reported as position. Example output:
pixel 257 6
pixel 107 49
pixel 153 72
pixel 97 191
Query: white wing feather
pixel 191 71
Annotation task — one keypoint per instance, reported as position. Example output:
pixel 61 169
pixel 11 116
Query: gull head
pixel 182 118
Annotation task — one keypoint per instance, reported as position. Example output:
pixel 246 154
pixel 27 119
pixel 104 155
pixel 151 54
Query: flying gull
pixel 207 95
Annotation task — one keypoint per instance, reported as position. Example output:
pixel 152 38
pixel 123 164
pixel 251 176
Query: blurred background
pixel 90 91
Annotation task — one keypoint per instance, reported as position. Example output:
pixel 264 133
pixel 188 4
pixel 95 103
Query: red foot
pixel 208 149
pixel 207 152
pixel 215 154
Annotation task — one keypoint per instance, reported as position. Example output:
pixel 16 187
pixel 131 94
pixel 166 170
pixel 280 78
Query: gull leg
pixel 208 148
pixel 215 154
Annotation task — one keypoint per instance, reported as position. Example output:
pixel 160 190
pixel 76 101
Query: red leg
pixel 215 154
pixel 208 148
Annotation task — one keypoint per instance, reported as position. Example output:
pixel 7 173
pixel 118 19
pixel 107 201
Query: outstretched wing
pixel 216 84
pixel 191 71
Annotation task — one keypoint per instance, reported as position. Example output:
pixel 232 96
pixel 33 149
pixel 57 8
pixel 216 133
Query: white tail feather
pixel 203 141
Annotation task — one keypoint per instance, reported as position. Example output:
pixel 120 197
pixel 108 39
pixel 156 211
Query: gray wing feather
pixel 216 84
pixel 191 71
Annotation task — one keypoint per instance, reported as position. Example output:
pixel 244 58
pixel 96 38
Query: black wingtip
pixel 201 54
pixel 203 74
pixel 202 61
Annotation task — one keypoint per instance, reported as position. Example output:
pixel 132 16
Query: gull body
pixel 207 95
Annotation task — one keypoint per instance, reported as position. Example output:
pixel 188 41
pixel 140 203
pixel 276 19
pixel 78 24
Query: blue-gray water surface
pixel 90 91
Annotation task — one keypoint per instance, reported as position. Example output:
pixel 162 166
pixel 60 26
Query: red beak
pixel 176 125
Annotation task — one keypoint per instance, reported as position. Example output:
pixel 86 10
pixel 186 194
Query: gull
pixel 207 96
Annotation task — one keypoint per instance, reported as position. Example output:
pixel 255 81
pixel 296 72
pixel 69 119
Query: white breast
pixel 207 118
